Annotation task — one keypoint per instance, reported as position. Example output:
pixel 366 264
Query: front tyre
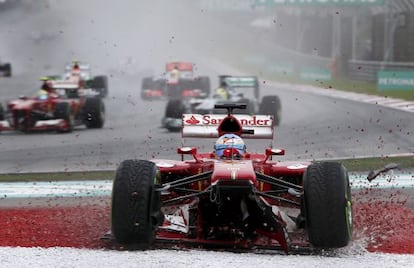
pixel 100 84
pixel 1 112
pixel 94 113
pixel 136 206
pixel 63 110
pixel 7 69
pixel 328 206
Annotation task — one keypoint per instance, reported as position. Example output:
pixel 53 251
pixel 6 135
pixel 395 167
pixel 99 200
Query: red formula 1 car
pixel 60 109
pixel 231 198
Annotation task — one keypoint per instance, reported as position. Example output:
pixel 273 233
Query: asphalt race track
pixel 312 126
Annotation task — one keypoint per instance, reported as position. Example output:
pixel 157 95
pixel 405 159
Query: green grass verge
pixel 58 176
pixel 366 164
pixel 365 88
pixel 344 84
pixel 353 165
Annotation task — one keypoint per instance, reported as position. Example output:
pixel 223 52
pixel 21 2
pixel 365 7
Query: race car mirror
pixel 274 151
pixel 187 150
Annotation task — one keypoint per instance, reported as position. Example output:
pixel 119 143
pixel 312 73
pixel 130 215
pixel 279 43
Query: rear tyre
pixel 94 113
pixel 271 105
pixel 136 206
pixel 250 107
pixel 327 205
pixel 147 83
pixel 63 111
pixel 100 84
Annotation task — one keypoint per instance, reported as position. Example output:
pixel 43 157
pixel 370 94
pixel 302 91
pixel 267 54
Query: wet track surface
pixel 312 127
pixel 309 130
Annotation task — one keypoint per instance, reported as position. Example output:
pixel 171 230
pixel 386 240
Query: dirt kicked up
pixel 380 225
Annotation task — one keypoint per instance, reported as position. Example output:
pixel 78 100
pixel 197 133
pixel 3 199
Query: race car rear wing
pixel 241 82
pixel 64 84
pixel 206 126
pixel 182 66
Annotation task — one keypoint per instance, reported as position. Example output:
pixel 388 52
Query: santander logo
pixel 192 120
pixel 214 120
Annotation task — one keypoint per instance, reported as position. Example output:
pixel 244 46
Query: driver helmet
pixel 75 68
pixel 221 93
pixel 42 94
pixel 229 146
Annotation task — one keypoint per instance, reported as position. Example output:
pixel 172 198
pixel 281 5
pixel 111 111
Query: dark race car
pixel 230 197
pixel 240 89
pixel 178 81
pixel 159 89
pixel 5 69
pixel 61 110
pixel 81 73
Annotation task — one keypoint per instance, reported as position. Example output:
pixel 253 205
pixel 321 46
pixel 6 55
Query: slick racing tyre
pixel 147 84
pixel 271 105
pixel 100 84
pixel 7 69
pixel 136 207
pixel 173 111
pixel 204 85
pixel 327 205
pixel 250 107
pixel 1 112
pixel 94 113
pixel 63 111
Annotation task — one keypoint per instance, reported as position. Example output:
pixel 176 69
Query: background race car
pixel 97 83
pixel 5 69
pixel 230 197
pixel 61 110
pixel 177 69
pixel 177 81
pixel 240 89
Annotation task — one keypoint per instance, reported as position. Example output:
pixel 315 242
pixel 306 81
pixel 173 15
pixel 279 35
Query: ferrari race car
pixel 5 69
pixel 82 74
pixel 239 201
pixel 240 89
pixel 178 81
pixel 68 106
